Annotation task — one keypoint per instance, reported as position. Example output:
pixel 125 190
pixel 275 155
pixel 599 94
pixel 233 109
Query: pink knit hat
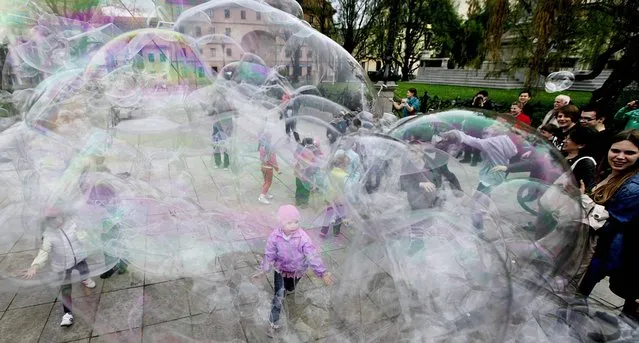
pixel 287 214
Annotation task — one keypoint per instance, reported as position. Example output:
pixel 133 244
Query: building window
pixel 213 52
pixel 227 13
pixel 229 52
pixel 309 70
pixel 181 29
pixel 288 53
pixel 243 15
pixel 214 69
pixel 258 16
pixel 227 31
pixel 198 31
pixel 151 58
pixel 162 57
pixel 309 54
pixel 212 30
pixel 210 12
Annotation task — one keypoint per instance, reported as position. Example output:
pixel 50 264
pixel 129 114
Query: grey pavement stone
pixel 6 296
pixel 243 288
pixel 83 318
pixel 24 324
pixel 132 278
pixel 86 340
pixel 29 296
pixel 80 291
pixel 119 310
pixel 165 302
pixel 14 263
pixel 209 293
pixel 27 243
pixel 239 257
pixel 218 326
pixel 126 336
pixel 174 331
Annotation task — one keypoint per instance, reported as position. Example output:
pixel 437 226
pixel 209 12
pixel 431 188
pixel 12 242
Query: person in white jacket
pixel 61 246
pixel 551 116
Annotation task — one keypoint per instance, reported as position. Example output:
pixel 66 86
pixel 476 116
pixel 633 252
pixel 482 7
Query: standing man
pixel 410 105
pixel 551 116
pixel 594 118
pixel 524 99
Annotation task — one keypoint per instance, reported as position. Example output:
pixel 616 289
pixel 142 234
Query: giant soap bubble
pixel 160 149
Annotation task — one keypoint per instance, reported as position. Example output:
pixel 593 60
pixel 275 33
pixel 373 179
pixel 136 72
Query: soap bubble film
pixel 559 81
pixel 137 152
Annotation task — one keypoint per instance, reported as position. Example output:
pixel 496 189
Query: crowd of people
pixel 603 163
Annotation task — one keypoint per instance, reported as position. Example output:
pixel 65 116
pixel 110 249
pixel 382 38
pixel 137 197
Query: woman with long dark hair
pixel 617 251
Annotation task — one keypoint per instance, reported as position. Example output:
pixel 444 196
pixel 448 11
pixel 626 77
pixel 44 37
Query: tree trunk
pixel 543 25
pixel 390 40
pixel 624 73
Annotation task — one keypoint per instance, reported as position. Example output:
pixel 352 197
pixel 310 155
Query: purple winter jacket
pixel 292 257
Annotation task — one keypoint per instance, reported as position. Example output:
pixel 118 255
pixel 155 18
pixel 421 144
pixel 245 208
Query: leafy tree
pixel 82 10
pixel 354 23
pixel 414 19
pixel 552 30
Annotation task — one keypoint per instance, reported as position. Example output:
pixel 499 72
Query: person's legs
pixel 480 204
pixel 268 179
pixel 328 218
pixel 227 160
pixel 596 272
pixel 476 157
pixel 218 159
pixel 631 309
pixel 290 284
pixel 468 151
pixel 302 192
pixel 452 178
pixel 278 297
pixel 65 292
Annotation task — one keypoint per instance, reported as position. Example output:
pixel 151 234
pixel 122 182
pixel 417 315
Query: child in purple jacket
pixel 289 251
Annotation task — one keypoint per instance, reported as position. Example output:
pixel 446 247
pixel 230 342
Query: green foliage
pixel 469 45
pixel 346 94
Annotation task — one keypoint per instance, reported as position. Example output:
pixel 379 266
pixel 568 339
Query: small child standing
pixel 336 212
pixel 222 131
pixel 305 172
pixel 60 243
pixel 290 252
pixel 268 160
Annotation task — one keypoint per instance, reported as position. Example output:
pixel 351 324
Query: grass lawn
pixel 501 96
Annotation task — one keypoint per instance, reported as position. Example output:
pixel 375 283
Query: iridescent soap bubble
pixel 559 81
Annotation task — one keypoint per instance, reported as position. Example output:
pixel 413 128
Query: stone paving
pixel 216 306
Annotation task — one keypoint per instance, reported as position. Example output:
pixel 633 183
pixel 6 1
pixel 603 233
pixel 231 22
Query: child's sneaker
pixel 269 196
pixel 88 283
pixel 263 200
pixel 323 232
pixel 272 329
pixel 67 320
